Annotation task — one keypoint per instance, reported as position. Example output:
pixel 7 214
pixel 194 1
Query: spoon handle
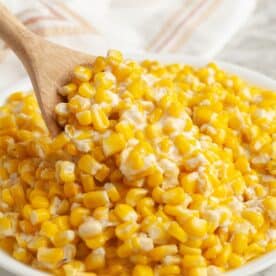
pixel 15 34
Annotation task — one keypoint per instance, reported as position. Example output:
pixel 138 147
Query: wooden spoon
pixel 48 65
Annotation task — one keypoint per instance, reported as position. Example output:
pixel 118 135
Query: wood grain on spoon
pixel 48 65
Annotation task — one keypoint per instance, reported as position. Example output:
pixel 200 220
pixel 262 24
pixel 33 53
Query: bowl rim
pixel 255 78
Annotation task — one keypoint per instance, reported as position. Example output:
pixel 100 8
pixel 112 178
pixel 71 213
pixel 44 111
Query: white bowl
pixel 257 265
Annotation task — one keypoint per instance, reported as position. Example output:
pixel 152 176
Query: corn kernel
pixel 113 144
pixel 125 212
pixel 86 90
pixel 50 257
pixel 95 199
pixel 83 73
pixel 78 215
pixel 84 117
pixel 195 227
pixel 126 230
pixel 176 231
pixel 142 270
pixel 38 216
pixel 191 261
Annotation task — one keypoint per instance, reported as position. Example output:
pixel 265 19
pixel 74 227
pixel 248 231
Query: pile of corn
pixel 160 170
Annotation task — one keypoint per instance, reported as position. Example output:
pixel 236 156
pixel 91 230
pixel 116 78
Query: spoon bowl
pixel 49 65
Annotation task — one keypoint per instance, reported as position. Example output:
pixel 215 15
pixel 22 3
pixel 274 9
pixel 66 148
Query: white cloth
pixel 194 27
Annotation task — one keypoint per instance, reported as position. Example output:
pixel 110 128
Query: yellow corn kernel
pixel 269 203
pixel 102 173
pixel 87 182
pixel 177 211
pixel 155 115
pixel 153 131
pixel 253 217
pixel 125 230
pixel 102 96
pixel 155 179
pixel 112 192
pixel 137 88
pixel 125 129
pixel 83 73
pixel 175 109
pixel 71 189
pixel 125 249
pixel 142 270
pixel 59 141
pixel 272 167
pixel 26 227
pixel 68 89
pixel 26 211
pixel 64 237
pixel 183 144
pixel 125 212
pixel 90 228
pixel 3 174
pixel 99 64
pixel 74 268
pixel 195 227
pixel 242 164
pixel 99 119
pixel 253 250
pixel 134 195
pixel 168 269
pixel 39 215
pixel 78 215
pixel 239 243
pixel 84 117
pixel 136 160
pixel 114 57
pixel 7 121
pixel 101 213
pixel 22 255
pixel 202 115
pixel 223 258
pixel 197 271
pixel 95 260
pixel 48 229
pixel 191 261
pixel 188 250
pixel 114 143
pixel 145 206
pixel 189 182
pixel 173 196
pixel 18 195
pixel 176 231
pixel 104 80
pixel 95 199
pixel 88 164
pixel 65 171
pixel 50 257
pixel 139 259
pixel 86 90
pixel 38 202
pixel 37 242
pixel 235 260
pixel 7 244
pixel 7 226
pixel 76 104
pixel 159 252
pixel 71 149
pixel 7 196
pixel 96 241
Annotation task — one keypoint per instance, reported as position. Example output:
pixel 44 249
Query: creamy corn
pixel 159 170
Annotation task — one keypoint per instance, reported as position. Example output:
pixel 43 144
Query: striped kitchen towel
pixel 194 27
